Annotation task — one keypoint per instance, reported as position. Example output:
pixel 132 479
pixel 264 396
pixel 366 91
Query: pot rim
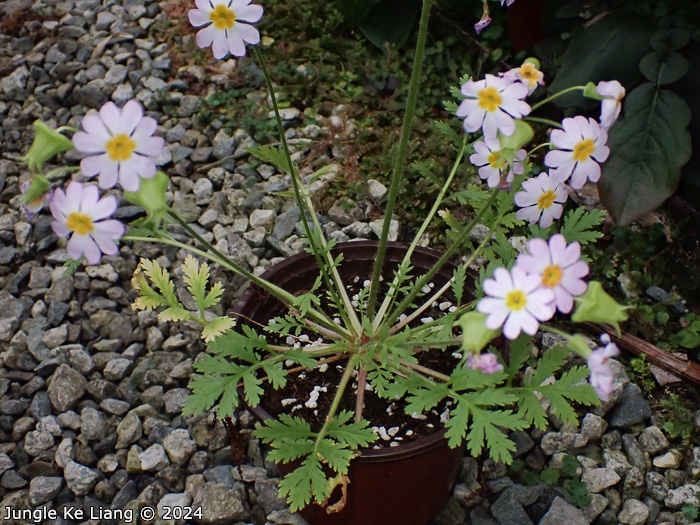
pixel 416 446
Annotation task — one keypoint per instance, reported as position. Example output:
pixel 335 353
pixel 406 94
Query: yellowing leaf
pixel 216 327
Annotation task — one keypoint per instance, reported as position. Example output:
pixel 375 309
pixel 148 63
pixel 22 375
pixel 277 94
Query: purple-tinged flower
pixel 225 29
pixel 580 147
pixel 80 212
pixel 492 104
pixel 120 144
pixel 611 105
pixel 516 299
pixel 495 166
pixel 599 362
pixel 34 206
pixel 486 362
pixel 483 23
pixel 527 74
pixel 560 267
pixel 541 201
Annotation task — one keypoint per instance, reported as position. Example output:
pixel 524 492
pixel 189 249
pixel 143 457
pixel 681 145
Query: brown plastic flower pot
pixel 404 485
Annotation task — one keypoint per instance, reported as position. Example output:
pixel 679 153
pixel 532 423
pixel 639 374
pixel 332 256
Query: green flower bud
pixel 475 334
pixel 47 143
pixel 522 135
pixel 598 307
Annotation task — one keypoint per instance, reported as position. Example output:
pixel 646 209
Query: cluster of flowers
pixel 493 104
pixel 549 275
pixel 121 147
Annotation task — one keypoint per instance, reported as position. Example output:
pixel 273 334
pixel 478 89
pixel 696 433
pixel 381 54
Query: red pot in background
pixel 404 485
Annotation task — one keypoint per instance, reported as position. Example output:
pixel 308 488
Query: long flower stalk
pixel 316 236
pixel 391 295
pixel 397 175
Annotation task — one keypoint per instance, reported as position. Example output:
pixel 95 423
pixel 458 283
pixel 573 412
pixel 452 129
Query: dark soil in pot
pixel 407 480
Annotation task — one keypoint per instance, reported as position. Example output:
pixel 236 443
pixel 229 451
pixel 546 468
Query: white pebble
pixel 289 401
pixel 444 305
pixel 393 444
pixel 323 367
pixel 452 309
pixel 426 320
pixel 445 416
pixel 420 417
pixel 393 431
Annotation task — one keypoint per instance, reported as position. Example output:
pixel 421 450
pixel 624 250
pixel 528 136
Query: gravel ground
pixel 91 392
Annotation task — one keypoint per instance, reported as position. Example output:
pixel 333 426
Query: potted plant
pixel 404 325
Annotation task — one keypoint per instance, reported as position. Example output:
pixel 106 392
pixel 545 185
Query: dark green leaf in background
pixel 609 49
pixel 663 68
pixel 670 39
pixel 648 146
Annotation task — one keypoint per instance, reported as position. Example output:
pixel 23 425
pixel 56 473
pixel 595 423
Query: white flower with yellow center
pixel 541 201
pixel 226 30
pixel 120 144
pixel 559 266
pixel 580 147
pixel 495 166
pixel 611 105
pixel 517 302
pixel 492 104
pixel 527 74
pixel 80 212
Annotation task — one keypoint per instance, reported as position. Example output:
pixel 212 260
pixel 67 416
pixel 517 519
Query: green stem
pixel 397 175
pixel 547 121
pixel 543 145
pixel 347 375
pixel 390 297
pixel 343 304
pixel 408 300
pixel 550 98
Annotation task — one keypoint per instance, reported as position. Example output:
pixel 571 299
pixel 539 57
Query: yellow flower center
pixel 120 147
pixel 495 160
pixel 551 276
pixel 80 223
pixel 583 150
pixel 489 99
pixel 222 17
pixel 530 73
pixel 516 300
pixel 545 200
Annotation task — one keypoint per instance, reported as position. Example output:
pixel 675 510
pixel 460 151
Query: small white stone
pixel 323 367
pixel 289 401
pixel 444 305
pixel 426 320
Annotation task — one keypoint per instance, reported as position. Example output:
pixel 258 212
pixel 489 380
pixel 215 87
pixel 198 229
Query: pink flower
pixel 559 266
pixel 517 302
pixel 611 105
pixel 495 166
pixel 226 30
pixel 599 362
pixel 120 145
pixel 487 363
pixel 482 24
pixel 79 213
pixel 541 200
pixel 492 104
pixel 580 147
